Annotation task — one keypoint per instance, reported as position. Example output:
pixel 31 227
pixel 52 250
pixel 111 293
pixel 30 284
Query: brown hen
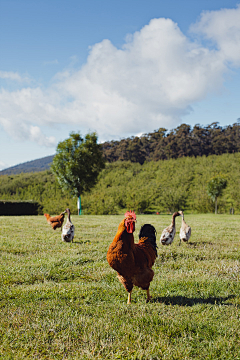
pixel 56 221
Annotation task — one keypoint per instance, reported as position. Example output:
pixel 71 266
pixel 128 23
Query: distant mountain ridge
pixel 29 166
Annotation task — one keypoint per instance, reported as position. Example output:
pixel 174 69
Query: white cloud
pixel 3 165
pixel 150 82
pixel 223 28
pixel 37 136
pixel 51 62
pixel 13 76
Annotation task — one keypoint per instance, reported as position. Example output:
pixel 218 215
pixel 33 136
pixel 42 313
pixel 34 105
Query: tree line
pixel 156 186
pixel 180 142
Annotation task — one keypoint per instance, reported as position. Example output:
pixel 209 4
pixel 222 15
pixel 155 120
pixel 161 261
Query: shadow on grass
pixel 199 243
pixel 82 242
pixel 185 301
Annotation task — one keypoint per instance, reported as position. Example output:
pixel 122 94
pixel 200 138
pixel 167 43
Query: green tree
pixel 215 189
pixel 77 163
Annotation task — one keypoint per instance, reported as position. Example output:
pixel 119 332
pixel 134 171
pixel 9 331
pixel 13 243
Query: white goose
pixel 168 234
pixel 185 231
pixel 68 229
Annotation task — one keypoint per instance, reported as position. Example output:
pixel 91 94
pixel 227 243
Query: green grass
pixel 63 301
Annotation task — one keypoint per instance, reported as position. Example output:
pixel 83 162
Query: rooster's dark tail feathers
pixel 149 231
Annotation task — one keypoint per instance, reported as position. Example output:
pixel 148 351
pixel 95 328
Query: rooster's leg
pixel 129 297
pixel 148 295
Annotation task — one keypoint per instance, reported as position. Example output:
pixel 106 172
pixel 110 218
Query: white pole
pixel 79 206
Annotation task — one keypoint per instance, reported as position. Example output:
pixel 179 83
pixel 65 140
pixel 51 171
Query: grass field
pixel 63 301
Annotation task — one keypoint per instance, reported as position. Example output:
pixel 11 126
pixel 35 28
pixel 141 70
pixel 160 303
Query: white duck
pixel 185 231
pixel 68 229
pixel 168 234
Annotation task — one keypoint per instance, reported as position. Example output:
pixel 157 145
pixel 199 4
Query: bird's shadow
pixel 199 243
pixel 81 241
pixel 185 301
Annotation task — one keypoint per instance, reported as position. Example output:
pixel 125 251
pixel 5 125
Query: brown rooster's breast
pixel 121 259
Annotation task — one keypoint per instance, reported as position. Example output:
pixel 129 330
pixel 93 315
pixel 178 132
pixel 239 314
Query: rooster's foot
pixel 129 298
pixel 148 296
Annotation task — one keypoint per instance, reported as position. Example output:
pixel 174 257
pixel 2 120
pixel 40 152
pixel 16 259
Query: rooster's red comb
pixel 130 213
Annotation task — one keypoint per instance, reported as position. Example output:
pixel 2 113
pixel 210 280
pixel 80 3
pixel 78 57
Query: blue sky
pixel 119 68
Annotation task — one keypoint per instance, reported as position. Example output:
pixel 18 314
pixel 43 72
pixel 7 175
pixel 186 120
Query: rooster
pixel 133 262
pixel 56 221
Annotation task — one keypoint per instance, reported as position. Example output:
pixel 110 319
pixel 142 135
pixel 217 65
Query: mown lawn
pixel 63 301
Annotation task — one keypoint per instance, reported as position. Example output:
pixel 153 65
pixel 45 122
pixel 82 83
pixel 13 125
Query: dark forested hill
pixel 180 142
pixel 161 144
pixel 30 166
